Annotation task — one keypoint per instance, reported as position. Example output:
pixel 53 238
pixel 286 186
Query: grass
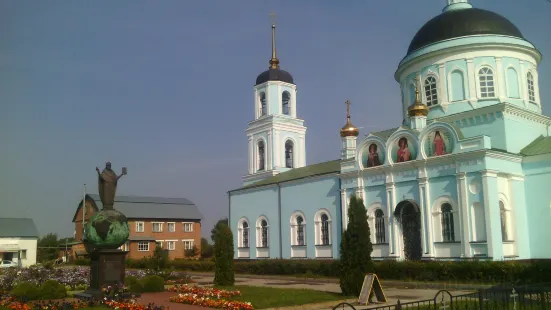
pixel 468 305
pixel 269 297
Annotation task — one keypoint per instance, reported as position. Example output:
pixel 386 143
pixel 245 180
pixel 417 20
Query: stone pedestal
pixel 107 267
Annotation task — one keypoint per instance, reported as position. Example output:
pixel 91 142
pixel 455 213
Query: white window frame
pixel 173 224
pixel 189 242
pixel 23 254
pixel 157 223
pixel 142 247
pixel 494 80
pixel 294 229
pixel 532 94
pixel 241 231
pixel 437 95
pixel 436 211
pixel 318 228
pixel 171 245
pixel 259 232
pixel 138 225
pixel 188 224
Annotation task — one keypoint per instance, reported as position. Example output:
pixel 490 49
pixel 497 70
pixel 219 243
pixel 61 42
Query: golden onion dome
pixel 349 130
pixel 418 108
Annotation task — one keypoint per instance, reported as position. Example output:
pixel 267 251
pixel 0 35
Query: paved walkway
pixel 393 294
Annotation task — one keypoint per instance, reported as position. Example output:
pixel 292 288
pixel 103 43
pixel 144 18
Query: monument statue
pixel 107 185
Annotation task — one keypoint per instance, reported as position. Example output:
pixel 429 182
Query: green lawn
pixel 268 297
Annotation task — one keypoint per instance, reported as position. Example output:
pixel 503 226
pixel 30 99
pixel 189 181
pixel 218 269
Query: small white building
pixel 18 241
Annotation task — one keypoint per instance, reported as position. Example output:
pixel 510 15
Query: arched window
pixel 285 98
pixel 503 214
pixel 379 226
pixel 430 91
pixel 263 107
pixel 448 229
pixel 486 82
pixel 245 234
pixel 324 229
pixel 261 154
pixel 263 233
pixel 289 154
pixel 300 230
pixel 531 88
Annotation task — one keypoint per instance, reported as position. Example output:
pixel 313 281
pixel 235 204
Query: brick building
pixel 172 223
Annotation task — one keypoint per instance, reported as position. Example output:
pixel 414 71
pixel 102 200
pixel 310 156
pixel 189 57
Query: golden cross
pixel 273 16
pixel 347 108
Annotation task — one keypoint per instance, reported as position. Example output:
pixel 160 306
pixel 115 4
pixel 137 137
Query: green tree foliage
pixel 159 260
pixel 207 250
pixel 224 270
pixel 213 230
pixel 356 249
pixel 47 248
pixel 193 252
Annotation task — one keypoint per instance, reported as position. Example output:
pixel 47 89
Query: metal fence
pixel 534 297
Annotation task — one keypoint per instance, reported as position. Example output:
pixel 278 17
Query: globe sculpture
pixel 107 229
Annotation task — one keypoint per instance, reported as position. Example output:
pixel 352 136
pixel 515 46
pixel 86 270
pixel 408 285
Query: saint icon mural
pixel 438 143
pixel 373 156
pixel 403 153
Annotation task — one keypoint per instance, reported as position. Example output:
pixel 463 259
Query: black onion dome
pixel 462 22
pixel 274 75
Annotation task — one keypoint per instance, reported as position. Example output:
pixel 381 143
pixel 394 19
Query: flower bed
pixel 12 304
pixel 204 291
pixel 193 299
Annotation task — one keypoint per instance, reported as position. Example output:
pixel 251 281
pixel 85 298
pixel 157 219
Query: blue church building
pixel 466 175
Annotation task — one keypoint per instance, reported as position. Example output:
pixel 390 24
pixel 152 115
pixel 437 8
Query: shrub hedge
pixel 437 271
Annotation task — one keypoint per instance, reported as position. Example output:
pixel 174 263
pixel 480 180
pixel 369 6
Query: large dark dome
pixel 274 75
pixel 462 22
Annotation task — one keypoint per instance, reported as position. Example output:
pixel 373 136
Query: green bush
pixel 52 289
pixel 224 271
pixel 129 280
pixel 81 262
pixel 25 291
pixel 136 288
pixel 356 249
pixel 153 284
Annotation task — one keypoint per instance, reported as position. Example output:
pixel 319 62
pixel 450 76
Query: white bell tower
pixel 276 135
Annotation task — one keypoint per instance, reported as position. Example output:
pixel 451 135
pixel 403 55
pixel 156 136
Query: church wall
pixel 519 132
pixel 309 199
pixel 491 125
pixel 251 205
pixel 538 204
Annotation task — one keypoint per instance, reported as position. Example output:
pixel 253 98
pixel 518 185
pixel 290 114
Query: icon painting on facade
pixel 438 143
pixel 373 156
pixel 403 151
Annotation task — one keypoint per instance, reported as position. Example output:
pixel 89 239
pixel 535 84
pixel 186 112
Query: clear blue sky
pixel 166 88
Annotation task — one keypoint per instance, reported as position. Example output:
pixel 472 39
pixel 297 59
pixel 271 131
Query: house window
pixel 289 154
pixel 430 91
pixel 324 229
pixel 126 246
pixel 171 245
pixel 261 155
pixel 188 244
pixel 531 88
pixel 23 254
pixel 285 102
pixel 300 230
pixel 171 227
pixel 263 108
pixel 245 234
pixel 188 227
pixel 159 244
pixel 448 230
pixel 486 80
pixel 139 226
pixel 379 226
pixel 157 227
pixel 264 234
pixel 143 246
pixel 503 215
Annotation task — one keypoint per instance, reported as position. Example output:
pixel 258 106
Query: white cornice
pixel 277 83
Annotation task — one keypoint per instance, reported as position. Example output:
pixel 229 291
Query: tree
pixel 47 248
pixel 213 231
pixel 159 260
pixel 207 250
pixel 193 252
pixel 356 248
pixel 224 273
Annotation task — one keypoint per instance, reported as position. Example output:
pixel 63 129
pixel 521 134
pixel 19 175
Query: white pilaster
pixel 523 85
pixel 256 104
pixel 425 210
pixel 302 154
pixel 463 205
pixel 443 93
pixel 251 155
pixel 500 80
pixel 390 198
pixel 279 100
pixel 294 104
pixel 344 212
pixel 277 149
pixel 471 77
pixel 269 150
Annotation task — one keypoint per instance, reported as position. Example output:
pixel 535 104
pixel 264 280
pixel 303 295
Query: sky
pixel 165 88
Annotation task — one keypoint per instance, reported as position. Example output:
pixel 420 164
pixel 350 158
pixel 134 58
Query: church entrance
pixel 409 215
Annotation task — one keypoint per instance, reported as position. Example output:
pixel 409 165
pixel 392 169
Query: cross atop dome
pixel 457 5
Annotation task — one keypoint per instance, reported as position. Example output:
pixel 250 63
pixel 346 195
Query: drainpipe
pixel 279 211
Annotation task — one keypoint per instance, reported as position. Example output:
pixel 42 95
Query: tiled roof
pixel 327 167
pixel 542 145
pixel 152 207
pixel 17 227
